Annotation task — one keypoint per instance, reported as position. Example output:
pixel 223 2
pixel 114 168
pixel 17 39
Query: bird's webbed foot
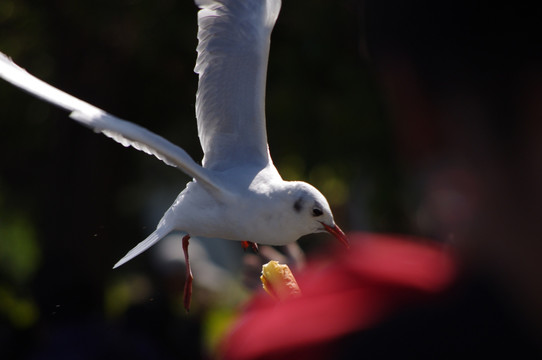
pixel 252 245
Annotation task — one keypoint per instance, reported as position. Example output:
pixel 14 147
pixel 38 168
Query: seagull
pixel 236 193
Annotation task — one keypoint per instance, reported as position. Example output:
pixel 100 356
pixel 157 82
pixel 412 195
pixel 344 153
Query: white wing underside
pixel 124 132
pixel 233 49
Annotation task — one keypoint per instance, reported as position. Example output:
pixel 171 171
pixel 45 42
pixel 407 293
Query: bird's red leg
pixel 252 245
pixel 189 277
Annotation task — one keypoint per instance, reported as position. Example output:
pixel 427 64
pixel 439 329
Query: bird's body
pixel 259 194
pixel 237 193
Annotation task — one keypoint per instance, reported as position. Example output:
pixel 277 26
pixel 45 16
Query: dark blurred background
pixel 73 202
pixel 459 162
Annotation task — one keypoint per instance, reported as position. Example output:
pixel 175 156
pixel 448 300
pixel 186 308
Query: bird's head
pixel 311 212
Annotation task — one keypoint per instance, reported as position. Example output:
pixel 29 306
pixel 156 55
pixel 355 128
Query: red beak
pixel 338 233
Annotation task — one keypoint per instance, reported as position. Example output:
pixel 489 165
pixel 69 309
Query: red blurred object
pixel 345 293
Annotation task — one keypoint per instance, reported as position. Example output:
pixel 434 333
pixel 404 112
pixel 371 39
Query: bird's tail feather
pixel 152 239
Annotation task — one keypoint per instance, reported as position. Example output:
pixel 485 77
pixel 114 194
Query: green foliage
pixel 21 312
pixel 19 250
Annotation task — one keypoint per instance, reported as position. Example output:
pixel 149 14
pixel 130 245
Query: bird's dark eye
pixel 298 205
pixel 317 212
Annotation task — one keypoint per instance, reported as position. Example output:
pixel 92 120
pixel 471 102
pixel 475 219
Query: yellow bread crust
pixel 278 281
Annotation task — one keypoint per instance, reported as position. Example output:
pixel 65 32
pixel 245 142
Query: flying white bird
pixel 237 193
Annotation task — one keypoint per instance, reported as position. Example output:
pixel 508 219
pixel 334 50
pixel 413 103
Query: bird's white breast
pixel 248 211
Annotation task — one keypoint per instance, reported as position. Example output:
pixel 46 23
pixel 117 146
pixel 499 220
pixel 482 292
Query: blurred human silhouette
pixel 463 81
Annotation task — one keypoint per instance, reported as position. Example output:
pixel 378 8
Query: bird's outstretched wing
pixel 233 50
pixel 124 132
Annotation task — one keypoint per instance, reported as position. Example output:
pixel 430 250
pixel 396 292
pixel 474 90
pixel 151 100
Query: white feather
pixel 124 132
pixel 233 49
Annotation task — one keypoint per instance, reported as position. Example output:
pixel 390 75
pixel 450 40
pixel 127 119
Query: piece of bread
pixel 278 281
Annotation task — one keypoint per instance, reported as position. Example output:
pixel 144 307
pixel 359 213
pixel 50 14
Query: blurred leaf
pixel 21 312
pixel 19 251
pixel 217 322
